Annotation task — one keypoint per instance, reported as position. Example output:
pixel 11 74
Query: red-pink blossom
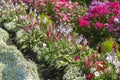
pixel 89 76
pixel 84 23
pixel 98 25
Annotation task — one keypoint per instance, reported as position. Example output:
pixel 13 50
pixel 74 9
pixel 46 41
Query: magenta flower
pixel 84 23
pixel 76 58
pixel 64 0
pixel 98 25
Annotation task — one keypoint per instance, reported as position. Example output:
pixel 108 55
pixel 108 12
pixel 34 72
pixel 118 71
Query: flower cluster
pixel 102 15
pixel 65 10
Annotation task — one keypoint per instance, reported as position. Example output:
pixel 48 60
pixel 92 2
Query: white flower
pixel 109 58
pixel 80 38
pixel 45 20
pixel 116 20
pixel 37 27
pixel 44 45
pixel 96 73
pixel 92 70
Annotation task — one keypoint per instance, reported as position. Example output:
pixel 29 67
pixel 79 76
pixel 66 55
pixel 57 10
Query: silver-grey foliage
pixel 13 66
pixel 73 73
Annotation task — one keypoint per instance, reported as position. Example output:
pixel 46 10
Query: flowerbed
pixel 77 40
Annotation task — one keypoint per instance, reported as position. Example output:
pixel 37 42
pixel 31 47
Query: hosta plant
pixel 28 40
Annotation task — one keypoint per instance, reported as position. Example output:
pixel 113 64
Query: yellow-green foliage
pixel 108 45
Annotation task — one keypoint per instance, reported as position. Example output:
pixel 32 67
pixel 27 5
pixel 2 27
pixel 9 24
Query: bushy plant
pixel 11 26
pixel 101 21
pixel 13 66
pixel 28 40
pixel 3 35
pixel 67 12
pixel 8 13
pixel 60 53
pixel 73 73
pixel 110 45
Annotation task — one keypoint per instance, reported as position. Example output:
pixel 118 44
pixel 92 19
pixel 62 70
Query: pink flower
pixel 84 23
pixel 64 18
pixel 25 28
pixel 100 65
pixel 64 0
pixel 89 76
pixel 114 5
pixel 99 10
pixel 98 25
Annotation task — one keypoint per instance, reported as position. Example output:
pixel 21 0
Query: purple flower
pixel 76 58
pixel 25 28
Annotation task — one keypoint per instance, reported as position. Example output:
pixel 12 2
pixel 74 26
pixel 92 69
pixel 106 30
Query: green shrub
pixel 28 40
pixel 11 26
